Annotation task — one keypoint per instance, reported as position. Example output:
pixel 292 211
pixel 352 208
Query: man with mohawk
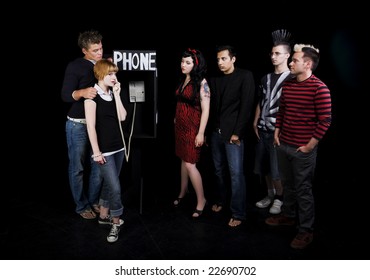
pixel 266 163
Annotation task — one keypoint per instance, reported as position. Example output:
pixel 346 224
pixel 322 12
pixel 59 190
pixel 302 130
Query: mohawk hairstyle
pixel 281 36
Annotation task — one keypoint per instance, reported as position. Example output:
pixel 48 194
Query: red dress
pixel 188 113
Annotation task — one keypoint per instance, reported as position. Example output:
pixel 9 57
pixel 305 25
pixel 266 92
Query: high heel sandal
pixel 198 212
pixel 177 201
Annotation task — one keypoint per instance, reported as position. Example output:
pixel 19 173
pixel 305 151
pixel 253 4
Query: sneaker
pixel 264 202
pixel 108 221
pixel 276 206
pixel 280 220
pixel 302 240
pixel 113 234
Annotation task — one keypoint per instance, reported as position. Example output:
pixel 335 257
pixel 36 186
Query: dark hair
pixel 229 48
pixel 87 38
pixel 312 54
pixel 282 37
pixel 199 70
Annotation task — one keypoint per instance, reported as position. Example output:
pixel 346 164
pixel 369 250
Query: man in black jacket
pixel 231 108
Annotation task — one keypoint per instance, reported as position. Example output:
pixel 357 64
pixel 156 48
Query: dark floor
pixel 41 222
pixel 156 230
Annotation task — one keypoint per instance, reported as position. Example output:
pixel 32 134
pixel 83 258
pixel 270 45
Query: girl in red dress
pixel 192 111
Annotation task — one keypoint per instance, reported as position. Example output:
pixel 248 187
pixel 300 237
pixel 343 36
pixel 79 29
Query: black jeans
pixel 297 172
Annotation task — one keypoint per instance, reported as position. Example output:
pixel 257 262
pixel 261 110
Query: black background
pixel 339 35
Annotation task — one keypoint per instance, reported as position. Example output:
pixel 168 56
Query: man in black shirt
pixel 231 107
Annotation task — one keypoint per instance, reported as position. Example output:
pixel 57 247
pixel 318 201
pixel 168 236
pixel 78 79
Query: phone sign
pixel 133 60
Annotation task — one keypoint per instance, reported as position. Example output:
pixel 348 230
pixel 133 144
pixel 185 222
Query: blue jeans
pixel 297 173
pixel 79 151
pixel 229 159
pixel 111 192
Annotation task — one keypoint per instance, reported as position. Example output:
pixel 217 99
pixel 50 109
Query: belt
pixel 77 120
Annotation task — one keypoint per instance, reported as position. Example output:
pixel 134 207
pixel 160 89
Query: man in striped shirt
pixel 303 119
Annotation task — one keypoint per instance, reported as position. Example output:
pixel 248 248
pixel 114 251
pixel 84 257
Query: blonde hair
pixel 299 47
pixel 103 67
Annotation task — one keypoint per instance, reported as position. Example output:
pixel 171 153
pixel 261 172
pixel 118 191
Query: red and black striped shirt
pixel 304 112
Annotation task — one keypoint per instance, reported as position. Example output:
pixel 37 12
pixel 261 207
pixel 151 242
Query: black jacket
pixel 232 102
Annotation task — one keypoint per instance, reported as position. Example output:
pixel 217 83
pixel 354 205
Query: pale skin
pixel 190 170
pixel 109 81
pixel 302 68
